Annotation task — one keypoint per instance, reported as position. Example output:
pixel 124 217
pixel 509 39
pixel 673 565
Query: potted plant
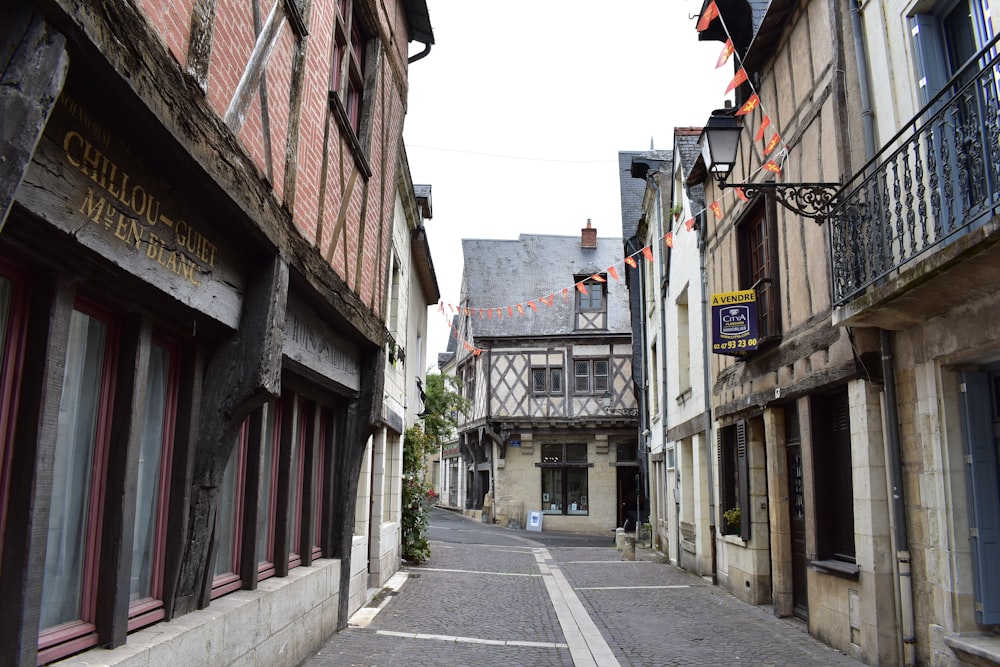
pixel 732 518
pixel 676 211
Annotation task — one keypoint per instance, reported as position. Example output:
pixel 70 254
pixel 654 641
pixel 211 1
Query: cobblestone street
pixel 494 596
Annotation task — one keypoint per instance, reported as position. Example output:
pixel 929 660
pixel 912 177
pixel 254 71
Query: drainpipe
pixel 904 583
pixel 706 314
pixel 417 56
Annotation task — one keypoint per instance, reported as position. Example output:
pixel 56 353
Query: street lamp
pixel 719 142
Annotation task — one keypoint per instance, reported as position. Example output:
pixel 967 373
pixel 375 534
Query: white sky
pixel 517 115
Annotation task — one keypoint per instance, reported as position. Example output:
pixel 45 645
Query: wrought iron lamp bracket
pixel 810 200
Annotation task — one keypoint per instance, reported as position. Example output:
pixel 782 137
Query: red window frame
pixel 150 610
pixel 74 636
pixel 223 584
pixel 347 78
pixel 11 367
pixel 265 562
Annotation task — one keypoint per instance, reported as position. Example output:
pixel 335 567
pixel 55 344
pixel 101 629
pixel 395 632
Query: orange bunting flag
pixel 772 144
pixel 689 224
pixel 647 252
pixel 565 294
pixel 489 313
pixel 613 272
pixel 441 306
pixel 763 126
pixel 451 308
pixel 727 51
pixel 597 278
pixel 476 352
pixel 742 195
pixel 716 209
pixel 738 80
pixel 711 13
pixel 480 313
pixel 772 166
pixel 750 105
pixel 581 288
pixel 499 313
pixel 520 310
pixel 510 311
pixel 631 262
pixel 531 304
pixel 669 239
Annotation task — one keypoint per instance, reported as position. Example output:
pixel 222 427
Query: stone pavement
pixel 493 596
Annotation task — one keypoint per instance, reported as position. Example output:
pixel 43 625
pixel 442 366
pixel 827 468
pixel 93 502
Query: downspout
pixel 705 362
pixel 904 583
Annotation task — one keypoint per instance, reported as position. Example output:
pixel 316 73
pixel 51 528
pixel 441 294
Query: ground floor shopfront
pixel 183 414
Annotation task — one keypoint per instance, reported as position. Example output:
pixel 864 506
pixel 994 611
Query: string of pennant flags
pixel 774 147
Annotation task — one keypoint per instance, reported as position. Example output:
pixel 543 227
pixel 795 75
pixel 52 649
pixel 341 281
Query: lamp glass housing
pixel 719 142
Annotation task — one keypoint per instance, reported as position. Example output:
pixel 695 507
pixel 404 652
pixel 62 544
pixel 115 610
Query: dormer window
pixel 591 304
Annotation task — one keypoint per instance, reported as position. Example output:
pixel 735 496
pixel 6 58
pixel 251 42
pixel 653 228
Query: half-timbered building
pixel 545 356
pixel 196 208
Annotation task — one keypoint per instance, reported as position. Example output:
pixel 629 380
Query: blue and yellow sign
pixel 734 322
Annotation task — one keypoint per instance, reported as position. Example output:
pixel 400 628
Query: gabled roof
pixel 501 273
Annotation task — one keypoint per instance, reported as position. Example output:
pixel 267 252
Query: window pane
pixel 576 490
pixel 538 380
pixel 225 527
pixel 600 375
pixel 148 482
pixel 555 376
pixel 295 480
pixel 266 490
pixel 62 585
pixel 552 453
pixel 582 373
pixel 552 484
pixel 576 453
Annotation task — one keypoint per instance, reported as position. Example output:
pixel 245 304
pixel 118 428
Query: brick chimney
pixel 588 238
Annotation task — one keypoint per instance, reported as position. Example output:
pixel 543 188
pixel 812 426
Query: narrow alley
pixel 495 596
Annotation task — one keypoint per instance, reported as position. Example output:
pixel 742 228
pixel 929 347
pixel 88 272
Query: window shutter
pixel 929 54
pixel 744 475
pixel 721 505
pixel 984 495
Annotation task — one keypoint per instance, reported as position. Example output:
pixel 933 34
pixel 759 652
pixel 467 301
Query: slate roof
pixel 501 273
pixel 686 147
pixel 632 189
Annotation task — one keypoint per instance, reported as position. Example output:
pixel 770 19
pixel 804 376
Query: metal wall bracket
pixel 810 200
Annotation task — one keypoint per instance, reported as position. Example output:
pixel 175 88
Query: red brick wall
pixel 172 19
pixel 317 203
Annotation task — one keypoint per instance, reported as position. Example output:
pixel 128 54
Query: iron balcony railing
pixel 935 181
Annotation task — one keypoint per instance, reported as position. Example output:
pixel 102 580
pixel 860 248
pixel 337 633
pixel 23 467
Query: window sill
pixel 734 539
pixel 975 647
pixel 836 568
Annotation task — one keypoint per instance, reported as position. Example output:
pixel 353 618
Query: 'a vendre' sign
pixel 734 322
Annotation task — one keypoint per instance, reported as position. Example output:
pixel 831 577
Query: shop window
pixel 590 376
pixel 831 452
pixel 347 86
pixel 756 237
pixel 69 584
pixel 547 380
pixel 564 479
pixel 267 492
pixel 734 480
pixel 153 487
pixel 229 525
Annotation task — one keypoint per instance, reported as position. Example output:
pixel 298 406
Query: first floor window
pixel 590 376
pixel 831 429
pixel 564 478
pixel 69 583
pixel 152 487
pixel 546 380
pixel 229 525
pixel 734 483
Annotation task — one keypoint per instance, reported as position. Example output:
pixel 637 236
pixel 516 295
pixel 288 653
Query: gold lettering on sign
pixel 130 212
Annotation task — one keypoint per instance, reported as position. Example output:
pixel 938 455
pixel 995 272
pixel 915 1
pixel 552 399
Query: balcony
pixel 917 230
